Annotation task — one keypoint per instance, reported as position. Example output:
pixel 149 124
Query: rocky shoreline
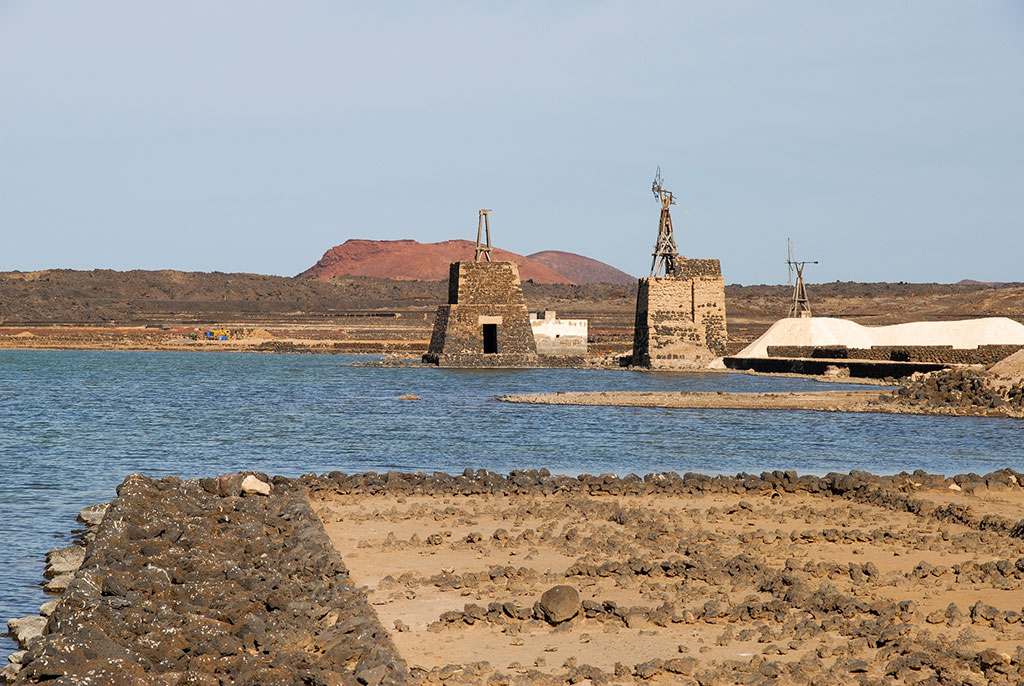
pixel 240 579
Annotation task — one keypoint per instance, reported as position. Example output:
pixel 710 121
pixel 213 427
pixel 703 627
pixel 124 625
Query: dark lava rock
pixel 560 603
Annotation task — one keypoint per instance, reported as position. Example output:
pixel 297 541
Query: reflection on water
pixel 75 423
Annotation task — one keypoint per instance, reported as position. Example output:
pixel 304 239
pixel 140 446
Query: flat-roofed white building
pixel 555 336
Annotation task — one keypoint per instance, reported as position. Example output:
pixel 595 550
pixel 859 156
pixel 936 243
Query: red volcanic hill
pixel 970 282
pixel 412 260
pixel 582 269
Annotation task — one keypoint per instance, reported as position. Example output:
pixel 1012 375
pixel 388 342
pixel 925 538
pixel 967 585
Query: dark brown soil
pixel 374 309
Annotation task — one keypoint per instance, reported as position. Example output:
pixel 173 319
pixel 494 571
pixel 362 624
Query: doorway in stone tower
pixel 490 338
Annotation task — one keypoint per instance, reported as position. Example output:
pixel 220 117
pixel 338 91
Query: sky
pixel 884 137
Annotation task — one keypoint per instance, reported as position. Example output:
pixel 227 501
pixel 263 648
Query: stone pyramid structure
pixel 485 322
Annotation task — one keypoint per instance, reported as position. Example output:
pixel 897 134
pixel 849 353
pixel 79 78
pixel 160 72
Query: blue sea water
pixel 74 424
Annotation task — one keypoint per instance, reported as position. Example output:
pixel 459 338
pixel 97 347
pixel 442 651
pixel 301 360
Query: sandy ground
pixel 355 340
pixel 692 581
pixel 827 401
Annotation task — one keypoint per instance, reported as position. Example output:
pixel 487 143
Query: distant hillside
pixel 582 269
pixel 411 260
pixel 169 297
pixel 972 282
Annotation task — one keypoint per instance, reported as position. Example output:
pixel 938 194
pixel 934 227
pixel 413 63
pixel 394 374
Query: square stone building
pixel 485 323
pixel 680 317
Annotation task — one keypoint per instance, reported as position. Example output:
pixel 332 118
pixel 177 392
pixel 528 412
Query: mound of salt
pixel 827 331
pixel 1011 367
pixel 259 334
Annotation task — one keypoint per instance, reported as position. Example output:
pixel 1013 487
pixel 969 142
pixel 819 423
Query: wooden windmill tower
pixel 483 245
pixel 799 307
pixel 666 256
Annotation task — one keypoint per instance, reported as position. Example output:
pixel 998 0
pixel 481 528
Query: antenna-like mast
pixel 799 307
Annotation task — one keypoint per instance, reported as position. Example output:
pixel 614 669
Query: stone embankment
pixel 225 580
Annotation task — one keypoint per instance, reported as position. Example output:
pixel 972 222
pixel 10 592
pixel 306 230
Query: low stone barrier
pixel 864 369
pixel 881 491
pixel 210 580
pixel 938 354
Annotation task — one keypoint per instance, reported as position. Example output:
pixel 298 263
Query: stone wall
pixel 865 369
pixel 480 294
pixel 484 283
pixel 695 269
pixel 680 320
pixel 939 354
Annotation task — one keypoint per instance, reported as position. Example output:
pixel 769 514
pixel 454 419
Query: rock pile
pixel 957 390
pixel 201 581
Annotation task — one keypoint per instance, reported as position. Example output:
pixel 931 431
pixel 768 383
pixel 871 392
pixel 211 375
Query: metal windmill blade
pixel 789 262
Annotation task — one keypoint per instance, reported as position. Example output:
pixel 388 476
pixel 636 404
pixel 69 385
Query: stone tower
pixel 485 323
pixel 680 316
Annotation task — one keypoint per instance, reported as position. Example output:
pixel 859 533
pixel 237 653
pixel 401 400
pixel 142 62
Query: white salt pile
pixel 826 331
pixel 1011 367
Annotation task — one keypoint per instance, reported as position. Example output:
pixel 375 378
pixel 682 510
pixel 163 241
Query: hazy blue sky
pixel 886 138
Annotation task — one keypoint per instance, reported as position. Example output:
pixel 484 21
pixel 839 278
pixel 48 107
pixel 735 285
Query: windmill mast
pixel 799 306
pixel 483 224
pixel 665 254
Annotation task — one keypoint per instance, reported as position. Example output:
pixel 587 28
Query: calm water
pixel 73 424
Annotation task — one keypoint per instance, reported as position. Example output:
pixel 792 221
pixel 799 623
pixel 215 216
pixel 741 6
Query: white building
pixel 559 336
